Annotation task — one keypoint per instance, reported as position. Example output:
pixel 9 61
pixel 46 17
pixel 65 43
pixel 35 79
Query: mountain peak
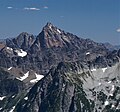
pixel 51 29
pixel 51 36
pixel 23 41
pixel 49 26
pixel 24 33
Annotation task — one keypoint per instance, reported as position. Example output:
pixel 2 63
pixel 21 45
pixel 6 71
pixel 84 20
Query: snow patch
pixel 63 87
pixel 10 68
pixel 21 53
pixel 103 69
pixel 13 96
pixel 113 87
pixel 117 108
pixel 111 94
pixel 93 69
pixel 109 82
pixel 1 98
pixel 23 77
pixel 113 106
pixel 0 108
pixel 8 48
pixel 87 53
pixel 26 98
pixel 12 110
pixel 38 77
pixel 99 84
pixel 106 103
pixel 58 31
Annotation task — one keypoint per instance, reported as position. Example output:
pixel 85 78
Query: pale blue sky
pixel 94 19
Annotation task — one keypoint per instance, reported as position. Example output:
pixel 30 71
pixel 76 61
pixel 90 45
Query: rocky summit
pixel 57 71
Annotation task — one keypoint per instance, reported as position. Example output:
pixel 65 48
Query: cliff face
pixel 8 84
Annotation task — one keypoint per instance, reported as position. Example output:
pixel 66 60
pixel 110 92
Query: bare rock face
pixel 2 45
pixel 57 92
pixel 22 41
pixel 9 84
pixel 50 37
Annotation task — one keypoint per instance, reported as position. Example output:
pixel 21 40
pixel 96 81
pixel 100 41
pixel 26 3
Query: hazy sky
pixel 95 19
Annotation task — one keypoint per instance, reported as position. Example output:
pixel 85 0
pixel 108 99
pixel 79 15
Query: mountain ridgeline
pixel 49 48
pixel 57 71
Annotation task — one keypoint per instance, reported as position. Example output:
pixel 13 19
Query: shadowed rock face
pixel 60 91
pixel 9 84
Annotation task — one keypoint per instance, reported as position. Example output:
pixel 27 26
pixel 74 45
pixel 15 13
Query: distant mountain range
pixel 57 71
